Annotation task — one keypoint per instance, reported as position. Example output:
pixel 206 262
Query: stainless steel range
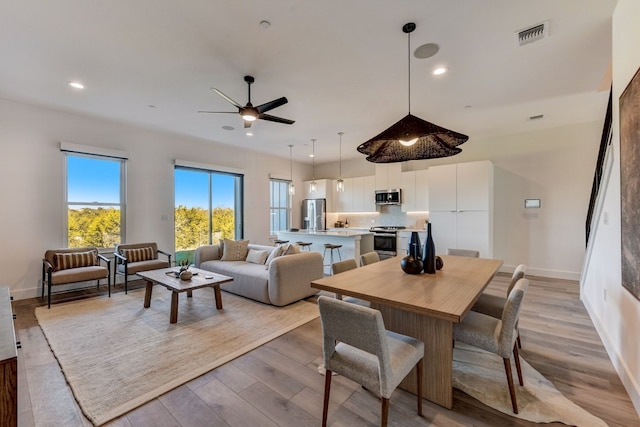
pixel 384 240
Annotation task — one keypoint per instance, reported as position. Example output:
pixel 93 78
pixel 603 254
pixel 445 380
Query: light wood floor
pixel 278 384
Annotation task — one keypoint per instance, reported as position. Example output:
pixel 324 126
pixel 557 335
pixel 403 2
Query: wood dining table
pixel 423 306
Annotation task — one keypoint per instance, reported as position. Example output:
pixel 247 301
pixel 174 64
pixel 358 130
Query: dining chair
pixel 357 346
pixel 497 335
pixel 369 258
pixel 463 252
pixel 493 305
pixel 341 267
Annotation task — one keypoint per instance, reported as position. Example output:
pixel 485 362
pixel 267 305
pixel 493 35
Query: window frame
pixel 122 191
pixel 238 194
pixel 288 209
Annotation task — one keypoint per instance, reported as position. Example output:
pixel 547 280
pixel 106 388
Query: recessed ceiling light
pixel 265 24
pixel 439 71
pixel 228 127
pixel 152 106
pixel 76 85
pixel 311 155
pixel 249 133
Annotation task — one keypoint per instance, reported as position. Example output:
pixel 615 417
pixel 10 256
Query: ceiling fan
pixel 250 113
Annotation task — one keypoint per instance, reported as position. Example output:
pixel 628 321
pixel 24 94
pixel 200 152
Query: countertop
pixel 345 233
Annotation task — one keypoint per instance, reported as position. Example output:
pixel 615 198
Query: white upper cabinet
pixel 461 187
pixel 358 195
pixel 415 191
pixel 388 176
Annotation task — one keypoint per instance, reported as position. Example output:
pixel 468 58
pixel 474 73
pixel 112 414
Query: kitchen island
pixel 354 242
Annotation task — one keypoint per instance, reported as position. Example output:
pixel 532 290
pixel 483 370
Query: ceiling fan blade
pixel 276 119
pixel 219 112
pixel 263 108
pixel 226 97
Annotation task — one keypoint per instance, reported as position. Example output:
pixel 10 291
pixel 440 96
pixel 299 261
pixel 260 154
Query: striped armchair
pixel 134 257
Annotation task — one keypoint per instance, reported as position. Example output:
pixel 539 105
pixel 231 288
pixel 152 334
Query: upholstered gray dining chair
pixel 497 336
pixel 341 267
pixel 357 346
pixel 492 305
pixel 369 258
pixel 463 252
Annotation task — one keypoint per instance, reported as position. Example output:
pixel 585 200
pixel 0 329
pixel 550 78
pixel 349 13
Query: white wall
pixel 31 194
pixel 614 311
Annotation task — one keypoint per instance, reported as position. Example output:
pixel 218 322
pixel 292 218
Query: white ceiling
pixel 341 64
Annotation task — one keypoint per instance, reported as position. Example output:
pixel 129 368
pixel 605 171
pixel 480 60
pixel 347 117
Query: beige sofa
pixel 285 280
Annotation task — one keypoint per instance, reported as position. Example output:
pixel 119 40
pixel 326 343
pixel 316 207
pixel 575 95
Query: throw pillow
pixel 66 260
pixel 293 249
pixel 234 250
pixel 138 254
pixel 257 257
pixel 275 253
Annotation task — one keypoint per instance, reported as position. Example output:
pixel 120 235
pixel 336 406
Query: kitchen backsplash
pixel 388 215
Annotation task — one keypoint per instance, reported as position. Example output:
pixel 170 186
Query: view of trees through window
pixel 94 201
pixel 207 209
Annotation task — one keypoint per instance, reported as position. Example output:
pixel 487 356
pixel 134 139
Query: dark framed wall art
pixel 630 184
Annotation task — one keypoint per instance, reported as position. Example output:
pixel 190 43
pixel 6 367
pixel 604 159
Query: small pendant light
pixel 313 186
pixel 292 188
pixel 340 186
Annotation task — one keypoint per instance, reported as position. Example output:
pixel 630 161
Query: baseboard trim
pixel 542 272
pixel 622 369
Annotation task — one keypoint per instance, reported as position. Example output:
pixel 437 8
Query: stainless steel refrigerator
pixel 314 215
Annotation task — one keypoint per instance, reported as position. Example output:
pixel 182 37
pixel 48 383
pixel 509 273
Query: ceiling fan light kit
pixel 412 138
pixel 249 113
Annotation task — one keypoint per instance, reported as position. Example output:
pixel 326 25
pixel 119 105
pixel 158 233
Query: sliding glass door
pixel 208 208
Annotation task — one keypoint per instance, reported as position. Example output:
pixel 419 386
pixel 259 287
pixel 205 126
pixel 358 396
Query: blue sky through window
pixel 93 180
pixel 192 189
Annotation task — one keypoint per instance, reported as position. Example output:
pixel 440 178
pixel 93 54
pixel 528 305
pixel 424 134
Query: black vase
pixel 415 247
pixel 429 253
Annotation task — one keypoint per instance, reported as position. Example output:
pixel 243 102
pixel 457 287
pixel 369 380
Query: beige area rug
pixel 117 355
pixel 481 375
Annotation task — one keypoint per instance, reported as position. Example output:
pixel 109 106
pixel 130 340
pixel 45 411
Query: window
pixel 208 208
pixel 94 199
pixel 280 205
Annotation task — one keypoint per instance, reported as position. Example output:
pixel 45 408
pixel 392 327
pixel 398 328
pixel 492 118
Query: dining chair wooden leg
pixel 419 370
pixel 516 353
pixel 518 339
pixel 512 390
pixel 327 388
pixel 384 416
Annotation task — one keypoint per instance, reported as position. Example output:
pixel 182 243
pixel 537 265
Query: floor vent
pixel 532 34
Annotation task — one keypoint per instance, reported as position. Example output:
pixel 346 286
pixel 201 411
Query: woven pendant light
pixel 412 138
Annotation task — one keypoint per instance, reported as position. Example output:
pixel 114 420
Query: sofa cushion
pixel 138 254
pixel 234 250
pixel 81 274
pixel 68 260
pixel 257 257
pixel 292 249
pixel 249 280
pixel 150 264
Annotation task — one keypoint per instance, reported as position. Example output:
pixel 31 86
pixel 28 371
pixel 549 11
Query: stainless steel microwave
pixel 388 197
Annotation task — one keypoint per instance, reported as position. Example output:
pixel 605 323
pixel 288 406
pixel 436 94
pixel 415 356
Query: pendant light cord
pixel 313 160
pixel 340 133
pixel 409 67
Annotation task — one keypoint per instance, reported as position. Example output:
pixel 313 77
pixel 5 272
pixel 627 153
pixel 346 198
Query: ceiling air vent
pixel 532 34
pixel 537 117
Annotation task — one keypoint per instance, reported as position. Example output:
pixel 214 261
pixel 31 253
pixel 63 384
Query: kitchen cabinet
pixel 8 363
pixel 324 190
pixel 461 206
pixel 358 195
pixel 388 176
pixel 402 241
pixel 415 191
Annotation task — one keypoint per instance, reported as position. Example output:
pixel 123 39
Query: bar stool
pixel 304 245
pixel 331 247
pixel 280 242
